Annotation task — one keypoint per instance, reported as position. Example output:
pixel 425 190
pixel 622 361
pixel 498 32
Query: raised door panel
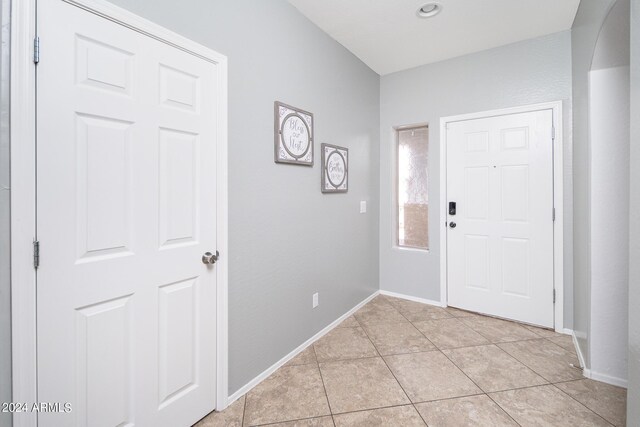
pixel 515 193
pixel 475 205
pixel 514 138
pixel 476 255
pixel 178 340
pixel 179 89
pixel 516 259
pixel 104 196
pixel 179 178
pixel 104 364
pixel 104 67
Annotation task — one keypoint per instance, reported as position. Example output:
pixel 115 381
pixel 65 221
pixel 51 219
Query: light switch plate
pixel 363 206
pixel 315 300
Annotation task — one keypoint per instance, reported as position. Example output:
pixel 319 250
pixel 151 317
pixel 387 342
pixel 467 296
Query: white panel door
pixel 127 131
pixel 500 240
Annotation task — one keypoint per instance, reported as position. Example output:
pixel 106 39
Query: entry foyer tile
pixel 493 369
pixel 564 341
pixel 450 333
pixel 405 416
pixel 230 417
pixel 610 402
pixel 546 406
pixel 542 332
pixel 498 330
pixel 428 312
pixel 354 385
pixel 472 411
pixel 305 357
pixel 344 343
pixel 309 422
pixel 378 301
pixel 291 393
pixel 407 306
pixel 397 338
pixel 430 376
pixel 456 312
pixel 544 357
pixel 369 315
pixel 349 322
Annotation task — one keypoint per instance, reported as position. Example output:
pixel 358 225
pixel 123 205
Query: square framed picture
pixel 293 135
pixel 335 169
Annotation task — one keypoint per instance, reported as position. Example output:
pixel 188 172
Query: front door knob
pixel 209 258
pixel 452 224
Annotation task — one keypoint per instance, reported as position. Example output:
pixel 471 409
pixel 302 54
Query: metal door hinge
pixel 553 214
pixel 554 296
pixel 553 133
pixel 36 50
pixel 36 254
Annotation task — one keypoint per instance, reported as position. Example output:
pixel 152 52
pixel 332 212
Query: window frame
pixel 396 190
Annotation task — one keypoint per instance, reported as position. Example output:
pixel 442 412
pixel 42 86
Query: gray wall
pixel 523 73
pixel 5 259
pixel 584 35
pixel 287 240
pixel 609 142
pixel 633 391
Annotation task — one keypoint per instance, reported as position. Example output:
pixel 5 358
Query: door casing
pixel 558 199
pixel 23 192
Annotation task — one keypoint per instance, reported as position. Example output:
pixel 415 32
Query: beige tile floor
pixel 403 363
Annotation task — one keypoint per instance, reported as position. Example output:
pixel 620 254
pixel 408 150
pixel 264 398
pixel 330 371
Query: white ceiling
pixel 388 36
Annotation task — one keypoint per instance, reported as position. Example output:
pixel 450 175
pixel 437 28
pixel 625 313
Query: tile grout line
pixel 244 407
pixel 490 342
pixel 531 369
pixel 481 393
pixel 444 318
pixel 324 387
pixel 480 388
pixel 423 334
pixel 538 337
pixel 288 421
pixel 568 351
pixel 386 302
pixel 496 344
pixel 400 405
pixel 448 318
pixel 396 378
pixel 503 409
pixel 523 364
pixel 580 403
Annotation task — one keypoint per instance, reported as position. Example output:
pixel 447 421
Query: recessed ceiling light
pixel 429 10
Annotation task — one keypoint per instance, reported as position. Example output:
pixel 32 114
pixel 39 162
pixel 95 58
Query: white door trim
pixel 23 208
pixel 23 191
pixel 558 197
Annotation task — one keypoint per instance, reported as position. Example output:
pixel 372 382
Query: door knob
pixel 209 258
pixel 452 224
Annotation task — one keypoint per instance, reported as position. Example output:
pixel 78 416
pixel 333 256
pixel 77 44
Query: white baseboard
pixel 579 353
pixel 410 298
pixel 566 331
pixel 597 376
pixel 620 382
pixel 257 380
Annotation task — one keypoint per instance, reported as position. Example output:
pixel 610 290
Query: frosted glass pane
pixel 413 195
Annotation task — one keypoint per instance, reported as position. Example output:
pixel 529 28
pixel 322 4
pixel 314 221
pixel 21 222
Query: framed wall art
pixel 293 135
pixel 335 169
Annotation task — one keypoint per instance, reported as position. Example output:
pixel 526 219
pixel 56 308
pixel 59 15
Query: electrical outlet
pixel 315 300
pixel 363 206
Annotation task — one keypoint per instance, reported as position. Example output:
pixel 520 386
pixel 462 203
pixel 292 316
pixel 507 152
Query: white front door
pixel 126 146
pixel 500 239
